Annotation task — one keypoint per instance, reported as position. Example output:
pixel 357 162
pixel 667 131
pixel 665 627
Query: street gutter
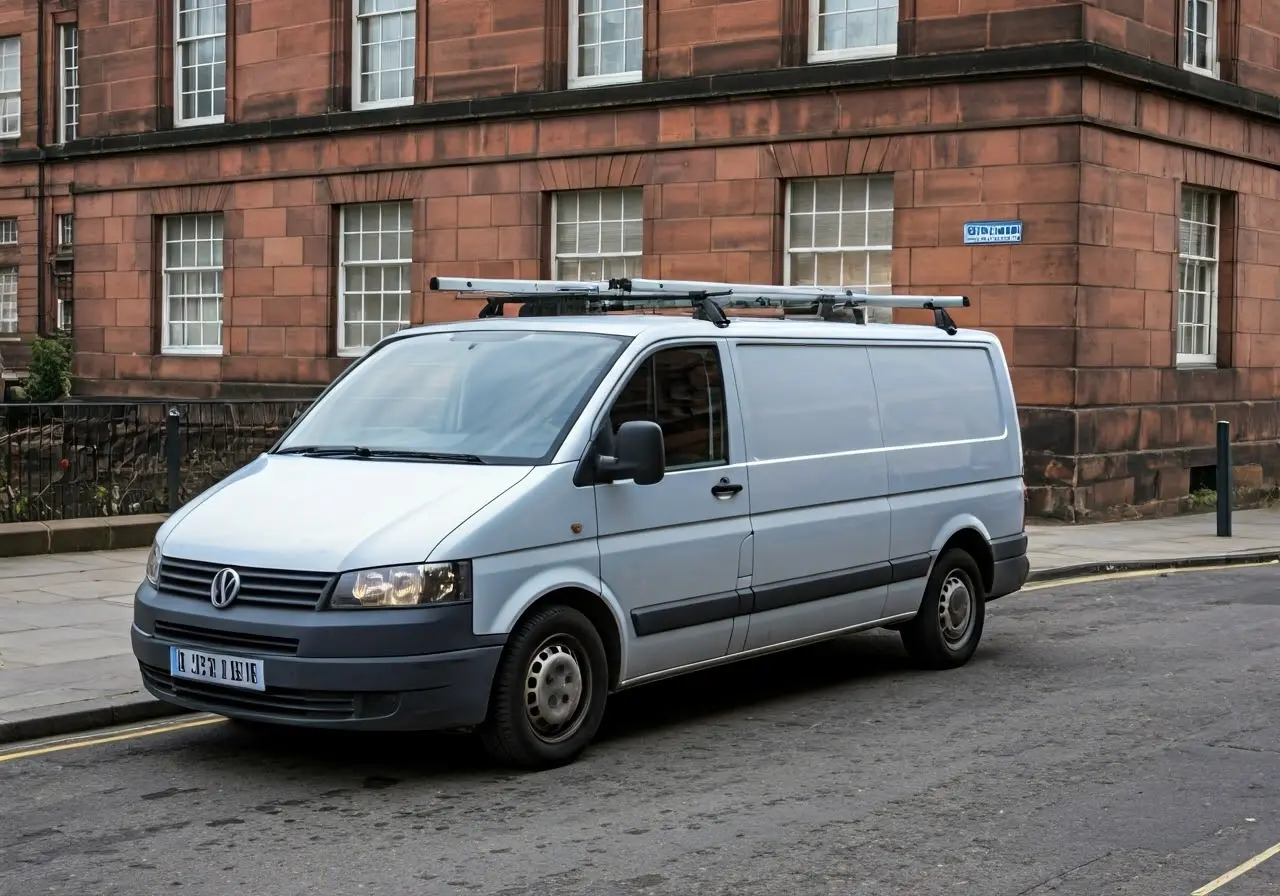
pixel 86 715
pixel 1115 566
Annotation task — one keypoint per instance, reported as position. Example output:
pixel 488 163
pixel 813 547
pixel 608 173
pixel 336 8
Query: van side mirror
pixel 639 454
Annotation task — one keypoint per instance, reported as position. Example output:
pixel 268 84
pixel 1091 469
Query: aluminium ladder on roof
pixel 707 299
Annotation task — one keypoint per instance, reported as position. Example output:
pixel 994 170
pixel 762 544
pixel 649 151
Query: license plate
pixel 232 671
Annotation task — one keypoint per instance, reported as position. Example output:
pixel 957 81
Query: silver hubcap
pixel 554 689
pixel 955 610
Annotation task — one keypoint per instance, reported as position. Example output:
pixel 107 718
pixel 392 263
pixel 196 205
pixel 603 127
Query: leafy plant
pixel 49 373
pixel 1204 497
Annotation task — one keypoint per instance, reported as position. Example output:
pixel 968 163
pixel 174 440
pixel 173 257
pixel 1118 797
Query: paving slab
pixel 66 662
pixel 1056 548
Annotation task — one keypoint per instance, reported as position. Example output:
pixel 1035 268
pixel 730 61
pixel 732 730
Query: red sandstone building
pixel 238 196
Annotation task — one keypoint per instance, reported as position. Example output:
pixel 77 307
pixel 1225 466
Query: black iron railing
pixel 76 460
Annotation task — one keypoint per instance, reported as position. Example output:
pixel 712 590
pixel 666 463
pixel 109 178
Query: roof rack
pixel 707 299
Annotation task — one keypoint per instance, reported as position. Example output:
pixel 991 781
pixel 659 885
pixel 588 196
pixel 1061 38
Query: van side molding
pixel 668 617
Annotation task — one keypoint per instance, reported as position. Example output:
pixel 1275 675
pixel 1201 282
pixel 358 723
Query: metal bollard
pixel 1224 479
pixel 173 456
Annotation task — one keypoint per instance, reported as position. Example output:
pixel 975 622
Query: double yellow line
pixel 75 743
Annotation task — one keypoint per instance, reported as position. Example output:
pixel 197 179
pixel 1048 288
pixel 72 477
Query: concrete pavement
pixel 1058 549
pixel 64 642
pixel 66 664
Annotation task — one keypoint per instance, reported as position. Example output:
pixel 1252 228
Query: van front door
pixel 676 553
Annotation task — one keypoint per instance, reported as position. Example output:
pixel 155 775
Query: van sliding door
pixel 819 512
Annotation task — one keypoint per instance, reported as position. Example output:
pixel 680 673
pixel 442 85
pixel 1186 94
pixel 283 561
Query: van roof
pixel 651 327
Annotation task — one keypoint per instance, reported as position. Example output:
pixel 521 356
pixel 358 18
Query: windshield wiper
pixel 360 451
pixel 428 455
pixel 327 450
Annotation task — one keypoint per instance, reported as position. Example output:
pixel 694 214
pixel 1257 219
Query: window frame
pixel 68 120
pixel 178 44
pixel 64 225
pixel 1212 41
pixel 1187 359
pixel 5 332
pixel 15 94
pixel 4 226
pixel 605 420
pixel 817 56
pixel 166 347
pixel 556 198
pixel 576 81
pixel 357 72
pixel 64 315
pixel 787 252
pixel 344 350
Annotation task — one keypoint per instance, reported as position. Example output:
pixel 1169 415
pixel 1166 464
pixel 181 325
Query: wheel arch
pixel 598 613
pixel 971 539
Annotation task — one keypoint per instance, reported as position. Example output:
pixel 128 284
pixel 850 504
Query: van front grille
pixel 262 587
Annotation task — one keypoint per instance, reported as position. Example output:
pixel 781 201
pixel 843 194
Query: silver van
pixel 495 523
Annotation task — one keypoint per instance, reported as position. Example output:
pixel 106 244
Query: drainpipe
pixel 336 54
pixel 41 100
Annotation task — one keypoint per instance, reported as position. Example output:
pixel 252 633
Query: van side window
pixel 931 395
pixel 682 390
pixel 806 400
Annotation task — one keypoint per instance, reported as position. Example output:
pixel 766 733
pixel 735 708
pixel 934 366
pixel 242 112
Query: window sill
pixel 578 83
pixel 1195 362
pixel 183 352
pixel 885 51
pixel 199 122
pixel 353 352
pixel 381 104
pixel 1206 72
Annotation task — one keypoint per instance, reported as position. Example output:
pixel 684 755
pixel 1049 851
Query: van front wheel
pixel 549 694
pixel 946 631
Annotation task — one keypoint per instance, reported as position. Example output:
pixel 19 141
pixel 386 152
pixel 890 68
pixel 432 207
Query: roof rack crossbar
pixel 706 299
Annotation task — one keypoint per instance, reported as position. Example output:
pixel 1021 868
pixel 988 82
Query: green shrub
pixel 49 373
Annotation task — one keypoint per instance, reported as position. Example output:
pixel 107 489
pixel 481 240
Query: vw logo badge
pixel 225 587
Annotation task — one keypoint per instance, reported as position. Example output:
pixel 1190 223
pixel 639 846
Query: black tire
pixel 518 731
pixel 925 637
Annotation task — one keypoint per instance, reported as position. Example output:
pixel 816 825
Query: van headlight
pixel 153 567
pixel 416 585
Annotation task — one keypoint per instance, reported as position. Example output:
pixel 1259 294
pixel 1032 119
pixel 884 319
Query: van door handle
pixel 725 489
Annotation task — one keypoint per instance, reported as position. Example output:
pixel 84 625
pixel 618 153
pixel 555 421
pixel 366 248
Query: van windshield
pixel 478 396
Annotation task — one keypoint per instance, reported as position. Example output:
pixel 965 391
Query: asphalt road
pixel 1118 738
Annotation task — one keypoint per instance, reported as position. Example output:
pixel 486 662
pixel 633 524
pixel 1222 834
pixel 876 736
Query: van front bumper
pixel 311 687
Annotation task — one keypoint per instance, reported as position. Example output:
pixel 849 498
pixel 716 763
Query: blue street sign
pixel 985 232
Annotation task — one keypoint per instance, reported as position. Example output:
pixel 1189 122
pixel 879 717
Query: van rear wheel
pixel 549 694
pixel 946 631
